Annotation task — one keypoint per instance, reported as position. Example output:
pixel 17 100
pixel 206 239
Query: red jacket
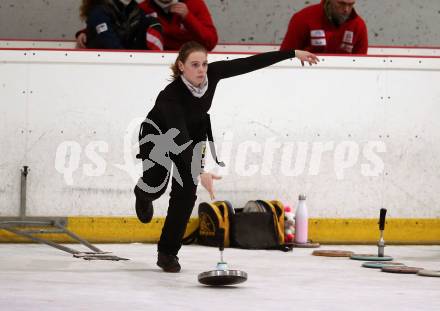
pixel 197 25
pixel 311 30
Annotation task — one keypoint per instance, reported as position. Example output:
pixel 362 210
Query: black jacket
pixel 112 25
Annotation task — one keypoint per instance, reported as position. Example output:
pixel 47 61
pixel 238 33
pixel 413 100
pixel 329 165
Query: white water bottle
pixel 301 221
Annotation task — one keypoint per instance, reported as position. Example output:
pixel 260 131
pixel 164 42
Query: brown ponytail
pixel 184 52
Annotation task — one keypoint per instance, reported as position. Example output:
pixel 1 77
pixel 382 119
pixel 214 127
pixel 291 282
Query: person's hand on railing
pixel 305 56
pixel 81 40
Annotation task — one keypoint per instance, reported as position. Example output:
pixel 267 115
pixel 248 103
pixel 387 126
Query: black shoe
pixel 144 207
pixel 168 263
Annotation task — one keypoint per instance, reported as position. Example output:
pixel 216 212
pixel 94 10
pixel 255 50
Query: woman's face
pixel 195 67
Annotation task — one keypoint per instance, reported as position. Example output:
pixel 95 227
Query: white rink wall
pixel 353 133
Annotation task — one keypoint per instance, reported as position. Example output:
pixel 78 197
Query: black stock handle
pixel 383 212
pixel 220 238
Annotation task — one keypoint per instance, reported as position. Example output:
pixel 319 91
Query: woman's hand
pixel 180 8
pixel 81 41
pixel 207 181
pixel 305 56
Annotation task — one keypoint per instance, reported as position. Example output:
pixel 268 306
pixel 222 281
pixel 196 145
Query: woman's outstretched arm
pixel 226 69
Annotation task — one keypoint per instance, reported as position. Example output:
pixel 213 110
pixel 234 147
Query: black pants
pixel 181 202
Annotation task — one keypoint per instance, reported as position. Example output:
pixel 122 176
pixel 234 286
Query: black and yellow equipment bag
pixel 259 225
pixel 213 216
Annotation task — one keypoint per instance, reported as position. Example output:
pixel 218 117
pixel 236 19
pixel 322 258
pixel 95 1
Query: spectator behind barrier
pixel 181 21
pixel 118 24
pixel 331 27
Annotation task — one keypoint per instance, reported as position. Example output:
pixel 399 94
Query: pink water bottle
pixel 301 221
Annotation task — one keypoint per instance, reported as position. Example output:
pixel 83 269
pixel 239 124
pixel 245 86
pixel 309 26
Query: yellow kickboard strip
pixel 106 230
pixel 366 231
pixel 322 230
